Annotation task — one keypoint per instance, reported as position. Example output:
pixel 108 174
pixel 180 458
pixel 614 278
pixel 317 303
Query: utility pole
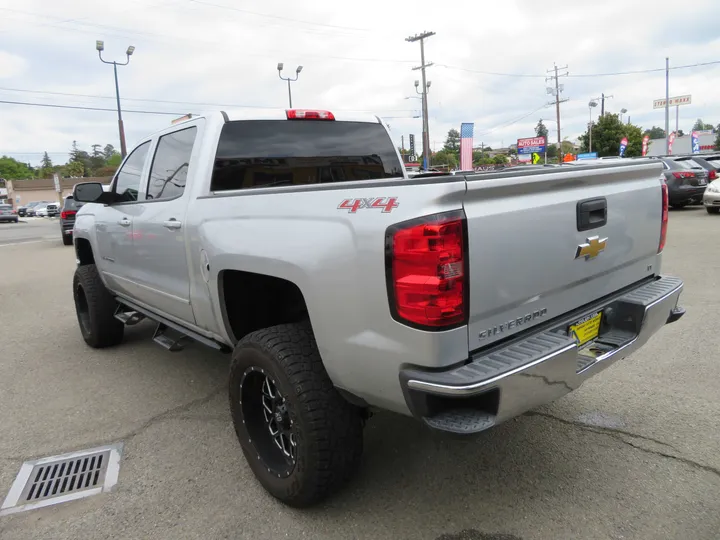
pixel 667 105
pixel 556 92
pixel 425 85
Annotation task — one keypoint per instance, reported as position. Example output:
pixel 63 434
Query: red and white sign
pixel 646 139
pixel 671 140
pixel 531 141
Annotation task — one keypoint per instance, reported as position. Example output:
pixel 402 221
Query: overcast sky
pixel 355 57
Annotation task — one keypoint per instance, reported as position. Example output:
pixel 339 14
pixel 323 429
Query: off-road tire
pixel 95 308
pixel 67 239
pixel 712 209
pixel 326 427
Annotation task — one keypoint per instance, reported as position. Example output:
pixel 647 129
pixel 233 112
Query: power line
pixel 578 75
pixel 88 108
pixel 278 17
pixel 193 103
pixel 637 71
pixel 515 121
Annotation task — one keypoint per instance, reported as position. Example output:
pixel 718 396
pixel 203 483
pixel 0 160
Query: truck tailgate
pixel 528 261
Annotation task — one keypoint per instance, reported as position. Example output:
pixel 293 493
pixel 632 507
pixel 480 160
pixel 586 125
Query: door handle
pixel 172 223
pixel 591 214
pixel 125 222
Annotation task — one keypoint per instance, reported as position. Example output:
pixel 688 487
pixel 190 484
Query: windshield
pixel 263 153
pixel 687 164
pixel 5 207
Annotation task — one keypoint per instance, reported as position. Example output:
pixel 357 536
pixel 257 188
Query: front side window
pixel 168 173
pixel 127 181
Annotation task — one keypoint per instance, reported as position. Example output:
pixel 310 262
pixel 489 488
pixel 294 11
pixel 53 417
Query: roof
pixel 37 184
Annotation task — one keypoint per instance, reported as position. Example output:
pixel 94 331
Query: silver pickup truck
pixel 295 241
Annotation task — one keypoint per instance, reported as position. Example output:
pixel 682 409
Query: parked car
pixel 454 300
pixel 47 210
pixel 7 213
pixel 30 208
pixel 711 198
pixel 685 179
pixel 67 219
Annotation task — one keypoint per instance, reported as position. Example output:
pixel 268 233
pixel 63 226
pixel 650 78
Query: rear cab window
pixel 264 153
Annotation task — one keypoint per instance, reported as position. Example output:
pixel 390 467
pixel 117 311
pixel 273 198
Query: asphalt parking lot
pixel 634 453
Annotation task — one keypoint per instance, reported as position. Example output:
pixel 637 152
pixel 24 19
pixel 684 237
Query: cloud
pixel 11 66
pixel 355 57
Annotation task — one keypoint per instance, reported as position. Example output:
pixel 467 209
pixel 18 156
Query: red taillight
pixel 712 175
pixel 426 271
pixel 67 213
pixel 664 224
pixel 306 114
pixel 684 174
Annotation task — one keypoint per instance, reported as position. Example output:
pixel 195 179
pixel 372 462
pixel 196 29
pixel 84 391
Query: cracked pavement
pixel 631 454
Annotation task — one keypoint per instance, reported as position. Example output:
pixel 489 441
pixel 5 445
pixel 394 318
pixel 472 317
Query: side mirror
pixel 88 192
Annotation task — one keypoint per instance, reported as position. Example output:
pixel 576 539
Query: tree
pixel 500 159
pixel 680 133
pixel 606 136
pixel 717 139
pixel 552 152
pixel 109 151
pixel 12 169
pixel 114 160
pixel 46 162
pixel 452 143
pixel 655 132
pixel 97 159
pixel 444 157
pixel 699 125
pixel 74 169
pixel 541 130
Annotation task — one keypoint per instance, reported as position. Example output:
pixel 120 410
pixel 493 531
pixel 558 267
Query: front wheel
pixel 301 438
pixel 712 209
pixel 95 308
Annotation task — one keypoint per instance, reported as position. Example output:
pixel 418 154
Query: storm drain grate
pixel 63 478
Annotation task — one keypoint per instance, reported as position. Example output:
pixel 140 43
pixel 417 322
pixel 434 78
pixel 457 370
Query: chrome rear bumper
pixel 506 381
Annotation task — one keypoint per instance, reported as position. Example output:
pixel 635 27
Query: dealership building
pixel 683 145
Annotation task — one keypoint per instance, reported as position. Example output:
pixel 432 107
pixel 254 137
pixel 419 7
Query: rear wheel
pixel 95 308
pixel 678 206
pixel 712 209
pixel 67 239
pixel 301 438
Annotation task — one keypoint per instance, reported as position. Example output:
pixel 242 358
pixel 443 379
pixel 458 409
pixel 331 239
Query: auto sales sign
pixel 531 145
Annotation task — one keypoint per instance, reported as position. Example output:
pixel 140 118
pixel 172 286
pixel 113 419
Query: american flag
pixel 466 146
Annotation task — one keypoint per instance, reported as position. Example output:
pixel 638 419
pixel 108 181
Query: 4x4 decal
pixel 387 204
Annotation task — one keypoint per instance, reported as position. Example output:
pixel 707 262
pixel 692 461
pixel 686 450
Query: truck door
pixel 161 258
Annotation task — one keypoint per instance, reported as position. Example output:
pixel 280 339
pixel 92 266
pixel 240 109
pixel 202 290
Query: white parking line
pixel 21 243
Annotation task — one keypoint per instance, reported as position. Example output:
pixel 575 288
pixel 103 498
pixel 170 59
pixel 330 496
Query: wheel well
pixel 84 252
pixel 253 301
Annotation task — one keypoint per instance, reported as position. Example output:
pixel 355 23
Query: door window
pixel 127 181
pixel 169 169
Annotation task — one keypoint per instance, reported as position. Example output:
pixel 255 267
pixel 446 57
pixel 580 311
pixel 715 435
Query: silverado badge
pixel 591 248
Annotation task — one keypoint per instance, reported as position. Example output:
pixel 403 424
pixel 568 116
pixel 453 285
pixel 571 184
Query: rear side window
pixel 127 181
pixel 264 153
pixel 72 204
pixel 168 173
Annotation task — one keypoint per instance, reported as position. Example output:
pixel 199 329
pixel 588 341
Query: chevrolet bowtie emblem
pixel 591 248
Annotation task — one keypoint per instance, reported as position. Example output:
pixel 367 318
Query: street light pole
pixel 100 46
pixel 289 79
